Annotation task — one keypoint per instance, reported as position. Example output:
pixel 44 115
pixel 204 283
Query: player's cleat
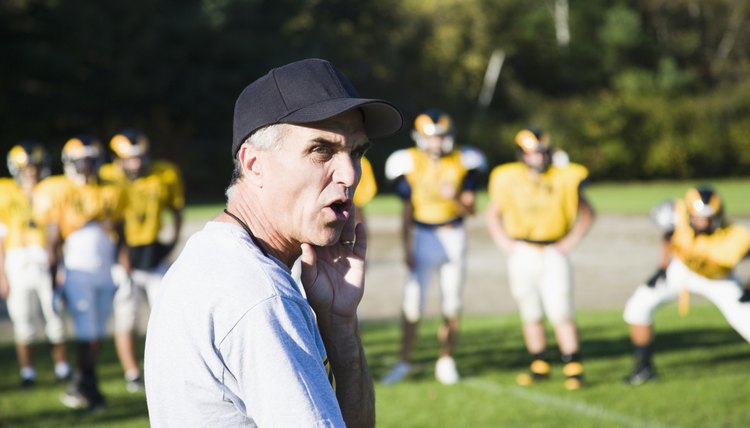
pixel 28 377
pixel 573 383
pixel 397 373
pixel 538 372
pixel 525 379
pixel 73 399
pixel 82 393
pixel 134 385
pixel 574 375
pixel 98 405
pixel 445 371
pixel 641 375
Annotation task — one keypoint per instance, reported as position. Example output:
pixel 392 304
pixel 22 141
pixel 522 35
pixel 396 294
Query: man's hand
pixel 661 273
pixel 334 276
pixel 565 246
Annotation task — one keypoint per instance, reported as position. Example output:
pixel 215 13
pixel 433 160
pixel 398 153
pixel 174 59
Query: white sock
pixel 62 369
pixel 132 374
pixel 28 373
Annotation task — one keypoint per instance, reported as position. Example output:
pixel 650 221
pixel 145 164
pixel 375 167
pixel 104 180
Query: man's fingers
pixel 348 233
pixel 360 242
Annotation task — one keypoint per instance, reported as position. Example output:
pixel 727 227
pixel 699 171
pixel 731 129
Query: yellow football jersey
pixel 16 218
pixel 435 186
pixel 112 173
pixel 70 205
pixel 712 256
pixel 367 187
pixel 148 197
pixel 542 209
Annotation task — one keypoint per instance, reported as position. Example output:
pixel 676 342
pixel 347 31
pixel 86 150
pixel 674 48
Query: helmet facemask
pixel 531 142
pixel 28 163
pixel 433 132
pixel 132 149
pixel 135 166
pixel 705 210
pixel 81 159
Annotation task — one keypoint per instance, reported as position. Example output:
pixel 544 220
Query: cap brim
pixel 381 118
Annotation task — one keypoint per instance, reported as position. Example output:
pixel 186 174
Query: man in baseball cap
pixel 232 339
pixel 303 92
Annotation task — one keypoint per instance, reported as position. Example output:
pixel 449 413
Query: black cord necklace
pixel 244 225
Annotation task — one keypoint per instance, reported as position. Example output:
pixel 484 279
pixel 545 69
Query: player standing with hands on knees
pixel 232 340
pixel 437 184
pixel 25 279
pixel 699 253
pixel 537 214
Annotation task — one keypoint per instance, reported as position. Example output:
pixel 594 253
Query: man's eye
pixel 324 150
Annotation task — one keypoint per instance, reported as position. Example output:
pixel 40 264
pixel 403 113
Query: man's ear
pixel 252 167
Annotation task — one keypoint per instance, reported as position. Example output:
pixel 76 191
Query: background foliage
pixel 644 89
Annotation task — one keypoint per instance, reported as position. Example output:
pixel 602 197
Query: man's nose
pixel 347 170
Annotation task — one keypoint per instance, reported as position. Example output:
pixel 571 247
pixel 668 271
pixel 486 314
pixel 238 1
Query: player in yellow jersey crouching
pixel 153 187
pixel 700 251
pixel 537 214
pixel 25 279
pixel 436 183
pixel 84 219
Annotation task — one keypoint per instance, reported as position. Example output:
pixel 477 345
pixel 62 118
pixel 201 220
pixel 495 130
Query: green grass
pixel 40 406
pixel 640 197
pixel 631 198
pixel 704 367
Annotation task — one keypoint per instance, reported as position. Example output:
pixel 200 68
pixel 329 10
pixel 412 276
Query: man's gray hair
pixel 268 138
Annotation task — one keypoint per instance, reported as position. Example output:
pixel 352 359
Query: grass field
pixel 608 198
pixel 704 368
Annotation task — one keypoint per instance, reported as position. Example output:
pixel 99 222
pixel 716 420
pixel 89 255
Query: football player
pixel 699 253
pixel 84 219
pixel 436 182
pixel 537 214
pixel 25 279
pixel 153 187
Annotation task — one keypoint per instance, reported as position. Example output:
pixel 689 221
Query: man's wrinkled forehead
pixel 348 126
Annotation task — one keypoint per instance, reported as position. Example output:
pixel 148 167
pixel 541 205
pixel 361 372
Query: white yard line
pixel 570 405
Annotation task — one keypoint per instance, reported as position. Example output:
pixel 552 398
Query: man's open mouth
pixel 339 207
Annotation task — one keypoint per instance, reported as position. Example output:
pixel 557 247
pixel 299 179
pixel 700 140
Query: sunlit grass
pixel 704 371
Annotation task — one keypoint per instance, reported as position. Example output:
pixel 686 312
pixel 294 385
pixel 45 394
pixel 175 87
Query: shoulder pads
pixel 663 215
pixel 472 158
pixel 399 163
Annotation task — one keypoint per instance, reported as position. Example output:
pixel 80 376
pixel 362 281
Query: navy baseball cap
pixel 307 91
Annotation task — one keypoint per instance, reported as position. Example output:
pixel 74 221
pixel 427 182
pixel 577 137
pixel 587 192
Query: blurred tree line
pixel 634 89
